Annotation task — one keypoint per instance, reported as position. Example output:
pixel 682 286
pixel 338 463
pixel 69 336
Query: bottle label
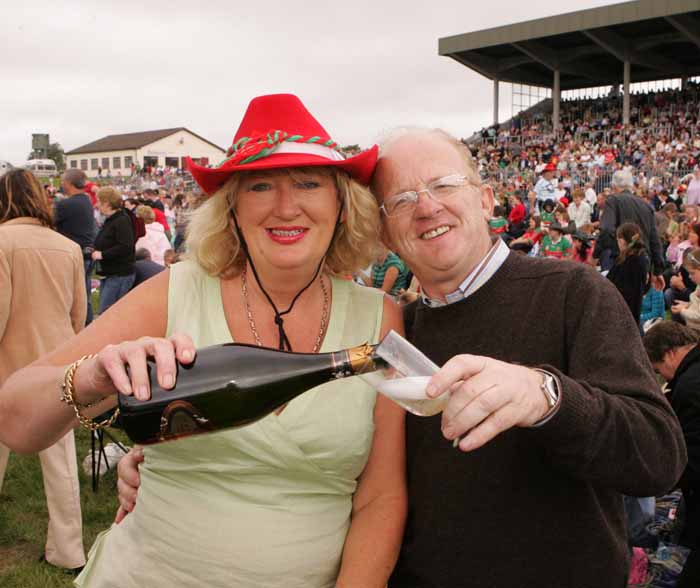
pixel 181 419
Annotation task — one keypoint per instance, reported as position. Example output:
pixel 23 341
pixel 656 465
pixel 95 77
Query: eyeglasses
pixel 438 190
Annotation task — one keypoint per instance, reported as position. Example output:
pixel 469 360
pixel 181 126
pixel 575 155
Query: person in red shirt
pixel 91 190
pixel 530 237
pixel 517 212
pixel 160 218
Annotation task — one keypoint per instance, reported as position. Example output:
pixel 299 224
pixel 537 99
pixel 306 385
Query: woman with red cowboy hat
pixel 310 496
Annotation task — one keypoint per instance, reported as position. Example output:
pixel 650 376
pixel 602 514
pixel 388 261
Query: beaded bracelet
pixel 67 391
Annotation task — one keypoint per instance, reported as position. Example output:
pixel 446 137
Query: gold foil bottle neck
pixel 361 358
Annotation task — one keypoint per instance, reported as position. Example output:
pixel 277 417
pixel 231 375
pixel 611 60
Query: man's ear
pixel 385 237
pixel 487 201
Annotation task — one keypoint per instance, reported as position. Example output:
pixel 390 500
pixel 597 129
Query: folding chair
pixel 97 446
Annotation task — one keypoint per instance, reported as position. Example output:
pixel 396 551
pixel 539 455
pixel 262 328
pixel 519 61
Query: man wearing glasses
pixel 554 410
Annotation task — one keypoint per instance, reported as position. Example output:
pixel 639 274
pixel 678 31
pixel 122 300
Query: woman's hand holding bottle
pixel 106 374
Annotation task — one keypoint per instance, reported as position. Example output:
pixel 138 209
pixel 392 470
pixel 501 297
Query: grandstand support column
pixel 626 94
pixel 684 83
pixel 556 97
pixel 495 101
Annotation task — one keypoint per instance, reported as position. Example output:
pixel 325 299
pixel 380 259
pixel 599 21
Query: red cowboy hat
pixel 278 131
pixel 549 167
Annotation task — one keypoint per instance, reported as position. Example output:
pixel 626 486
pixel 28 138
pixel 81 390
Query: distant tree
pixel 56 153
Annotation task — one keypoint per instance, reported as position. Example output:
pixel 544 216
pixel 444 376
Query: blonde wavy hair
pixel 212 241
pixel 110 195
pixel 146 213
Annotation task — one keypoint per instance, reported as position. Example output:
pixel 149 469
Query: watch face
pixel 549 388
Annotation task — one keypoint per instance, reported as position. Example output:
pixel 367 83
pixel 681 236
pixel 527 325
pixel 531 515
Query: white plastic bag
pixel 113 452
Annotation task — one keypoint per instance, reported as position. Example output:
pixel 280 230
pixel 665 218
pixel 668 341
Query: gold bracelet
pixel 68 390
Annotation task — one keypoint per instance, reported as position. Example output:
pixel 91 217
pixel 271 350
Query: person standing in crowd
pixel 151 197
pixel 154 240
pixel 689 312
pixel 673 351
pixel 144 267
pixel 630 274
pixel 312 495
pixel 598 208
pixel 167 201
pixel 74 217
pixel 692 194
pixel 389 273
pixel 114 248
pixel 42 303
pixel 545 188
pixel 181 210
pixel 551 432
pixel 129 206
pixel 623 207
pixel 579 211
pixel 589 194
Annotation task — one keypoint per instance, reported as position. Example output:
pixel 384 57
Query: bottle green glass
pixel 232 385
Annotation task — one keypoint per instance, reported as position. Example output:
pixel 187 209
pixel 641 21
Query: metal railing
pixel 604 136
pixel 662 177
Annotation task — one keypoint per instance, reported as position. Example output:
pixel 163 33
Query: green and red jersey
pixel 559 250
pixel 498 225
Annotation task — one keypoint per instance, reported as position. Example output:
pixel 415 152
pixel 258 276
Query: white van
pixel 42 168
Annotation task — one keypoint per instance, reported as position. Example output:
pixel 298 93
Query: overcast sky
pixel 83 70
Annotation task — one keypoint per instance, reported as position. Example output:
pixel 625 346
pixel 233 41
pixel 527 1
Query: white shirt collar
pixel 470 285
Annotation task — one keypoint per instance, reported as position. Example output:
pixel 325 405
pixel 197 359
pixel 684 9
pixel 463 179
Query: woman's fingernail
pixel 143 392
pixel 168 381
pixel 187 355
pixel 431 390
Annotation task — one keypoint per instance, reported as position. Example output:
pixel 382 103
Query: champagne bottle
pixel 232 385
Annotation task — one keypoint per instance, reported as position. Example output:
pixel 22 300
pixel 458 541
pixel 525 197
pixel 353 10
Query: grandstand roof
pixel 661 39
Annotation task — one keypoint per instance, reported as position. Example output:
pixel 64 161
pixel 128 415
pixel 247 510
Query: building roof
pixel 661 40
pixel 131 141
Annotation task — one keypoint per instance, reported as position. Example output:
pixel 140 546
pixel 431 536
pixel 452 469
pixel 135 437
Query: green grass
pixel 23 519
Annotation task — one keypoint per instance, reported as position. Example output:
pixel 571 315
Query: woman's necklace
pixel 251 320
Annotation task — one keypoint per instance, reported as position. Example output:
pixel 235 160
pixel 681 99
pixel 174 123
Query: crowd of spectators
pixel 662 142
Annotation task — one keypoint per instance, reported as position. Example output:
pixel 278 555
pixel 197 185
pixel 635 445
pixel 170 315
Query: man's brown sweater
pixel 542 507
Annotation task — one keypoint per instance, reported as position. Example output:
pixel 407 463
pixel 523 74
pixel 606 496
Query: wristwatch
pixel 551 389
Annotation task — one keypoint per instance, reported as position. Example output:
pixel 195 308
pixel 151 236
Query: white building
pixel 115 154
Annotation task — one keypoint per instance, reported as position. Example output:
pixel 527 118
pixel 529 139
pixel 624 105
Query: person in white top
pixel 590 194
pixel 154 240
pixel 560 192
pixel 579 210
pixel 544 186
pixel 692 195
pixel 168 211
